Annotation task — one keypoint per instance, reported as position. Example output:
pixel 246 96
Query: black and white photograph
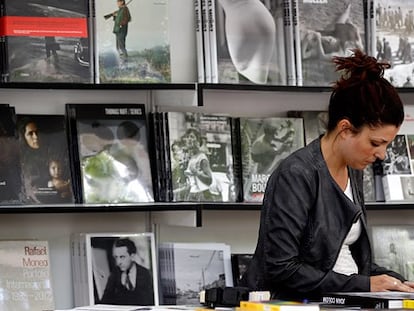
pixel 124 270
pixel 314 123
pixel 397 160
pixel 394 22
pixel 369 184
pixel 240 263
pixel 393 248
pixel 187 268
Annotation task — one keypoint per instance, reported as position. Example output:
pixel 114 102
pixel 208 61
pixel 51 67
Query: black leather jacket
pixel 305 218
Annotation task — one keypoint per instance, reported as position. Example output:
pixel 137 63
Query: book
pixel 136 52
pixel 11 180
pixel 187 268
pixel 314 122
pixel 25 270
pixel 199 33
pixel 250 42
pixel 239 264
pixel 264 143
pixel 370 300
pixel 109 152
pixel 44 159
pixel 326 29
pixel 42 41
pixel 369 183
pixel 392 247
pixel 211 22
pixel 206 40
pixel 277 305
pixel 393 39
pixel 290 41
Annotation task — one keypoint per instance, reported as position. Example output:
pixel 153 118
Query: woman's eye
pixel 375 144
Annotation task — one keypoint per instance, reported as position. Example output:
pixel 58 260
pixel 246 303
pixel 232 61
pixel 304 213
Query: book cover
pixel 25 276
pixel 264 143
pixel 46 41
pixel 314 122
pixel 44 159
pixel 131 41
pixel 250 42
pixel 206 40
pixel 397 159
pixel 199 41
pixel 393 38
pixel 277 305
pixel 393 248
pixel 369 184
pixel 11 181
pixel 326 29
pixel 111 152
pixel 239 264
pixel 371 300
pixel 188 268
pixel 290 40
pixel 201 157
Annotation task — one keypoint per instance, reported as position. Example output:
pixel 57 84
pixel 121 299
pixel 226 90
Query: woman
pixel 313 232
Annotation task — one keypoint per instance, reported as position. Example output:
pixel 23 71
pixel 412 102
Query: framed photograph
pixel 122 269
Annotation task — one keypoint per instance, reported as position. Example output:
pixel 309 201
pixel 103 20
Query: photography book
pixel 46 41
pixel 44 159
pixel 109 152
pixel 25 270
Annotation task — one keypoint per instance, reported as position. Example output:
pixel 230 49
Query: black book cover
pixel 155 152
pixel 112 152
pixel 239 265
pixel 45 159
pixel 10 167
pixel 46 41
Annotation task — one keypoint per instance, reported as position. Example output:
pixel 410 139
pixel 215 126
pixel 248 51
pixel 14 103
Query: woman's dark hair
pixel 362 95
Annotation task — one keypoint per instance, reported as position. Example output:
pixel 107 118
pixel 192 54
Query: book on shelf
pixel 239 264
pixel 115 269
pixel 199 34
pixel 11 181
pixel 393 39
pixel 109 152
pixel 44 159
pixel 250 42
pixel 135 49
pixel 367 300
pixel 393 248
pixel 369 184
pixel 199 154
pixel 187 268
pixel 326 29
pixel 315 122
pixel 264 143
pixel 46 41
pixel 290 41
pixel 277 305
pixel 25 270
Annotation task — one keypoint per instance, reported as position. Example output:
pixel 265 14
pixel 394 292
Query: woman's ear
pixel 344 125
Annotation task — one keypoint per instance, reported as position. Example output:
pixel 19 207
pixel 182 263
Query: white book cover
pixel 188 268
pixel 25 271
pixel 122 268
pixel 393 248
pixel 211 6
pixel 206 40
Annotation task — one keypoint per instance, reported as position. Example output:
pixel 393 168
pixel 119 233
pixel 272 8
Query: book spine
pixel 372 28
pixel 4 65
pixel 290 46
pixel 298 51
pixel 378 185
pixel 237 161
pixel 213 39
pixel 199 40
pixel 367 37
pixel 206 38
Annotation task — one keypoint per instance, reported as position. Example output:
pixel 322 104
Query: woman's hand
pixel 383 282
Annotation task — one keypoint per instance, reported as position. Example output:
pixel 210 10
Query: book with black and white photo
pixel 239 265
pixel 47 41
pixel 326 29
pixel 44 159
pixel 264 143
pixel 315 122
pixel 187 268
pixel 25 270
pixel 250 42
pixel 109 152
pixel 145 55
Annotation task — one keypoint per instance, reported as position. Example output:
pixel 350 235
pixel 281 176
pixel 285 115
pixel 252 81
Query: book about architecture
pixel 249 39
pixel 131 42
pixel 393 248
pixel 326 29
pixel 44 159
pixel 393 39
pixel 200 153
pixel 46 41
pixel 11 181
pixel 185 269
pixel 110 152
pixel 121 268
pixel 25 276
pixel 264 143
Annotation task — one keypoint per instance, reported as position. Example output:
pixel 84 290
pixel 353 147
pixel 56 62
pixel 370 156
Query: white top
pixel 345 264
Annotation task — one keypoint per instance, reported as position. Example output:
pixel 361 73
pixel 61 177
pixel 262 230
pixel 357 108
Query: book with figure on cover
pixel 239 264
pixel 187 268
pixel 25 276
pixel 11 181
pixel 314 122
pixel 109 152
pixel 326 29
pixel 46 41
pixel 131 42
pixel 44 159
pixel 264 143
pixel 250 42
